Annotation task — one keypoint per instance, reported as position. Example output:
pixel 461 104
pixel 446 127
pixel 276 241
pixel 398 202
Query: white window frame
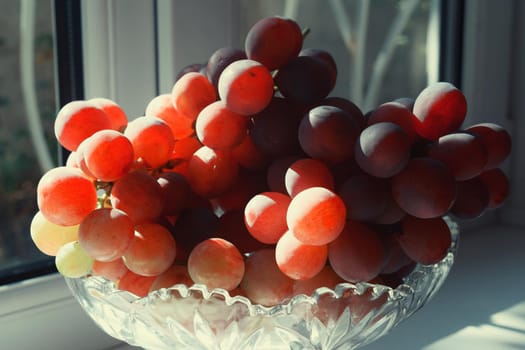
pixel 120 61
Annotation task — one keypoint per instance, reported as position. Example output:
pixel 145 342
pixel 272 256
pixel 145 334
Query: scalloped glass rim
pixel 418 287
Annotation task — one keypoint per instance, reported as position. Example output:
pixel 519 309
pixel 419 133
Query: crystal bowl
pixel 181 317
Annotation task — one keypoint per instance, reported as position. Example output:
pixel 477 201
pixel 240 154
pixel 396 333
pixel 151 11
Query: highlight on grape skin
pixel 439 110
pixel 265 216
pixel 246 86
pixel 78 120
pixel 65 196
pixel 316 216
pixel 297 260
pixel 191 93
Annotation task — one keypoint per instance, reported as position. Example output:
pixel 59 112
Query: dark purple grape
pixel 365 197
pixel 305 79
pixel 382 150
pixel 471 200
pixel 328 133
pixel 219 60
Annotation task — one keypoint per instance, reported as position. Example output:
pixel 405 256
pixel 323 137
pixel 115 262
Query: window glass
pixel 27 110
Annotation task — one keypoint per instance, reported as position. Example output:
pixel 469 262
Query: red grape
pixel 496 140
pixel 305 173
pixel 316 216
pixel 464 154
pixel 396 113
pixel 265 216
pixel 425 188
pixel 115 113
pixel 382 150
pixel 357 254
pixel 439 110
pixel 211 172
pixel 273 41
pixel 425 241
pixel 328 133
pixel 246 86
pixel 139 195
pixel 77 120
pixel 105 234
pixel 152 250
pixel 219 60
pixel 216 263
pixel 65 196
pixel 297 260
pixel 162 107
pixel 263 281
pixel 191 93
pixel 365 197
pixel 471 200
pixel 108 155
pixel 152 140
pixel 498 186
pixel 219 128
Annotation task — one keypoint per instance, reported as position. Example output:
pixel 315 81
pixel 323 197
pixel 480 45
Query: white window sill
pixel 481 306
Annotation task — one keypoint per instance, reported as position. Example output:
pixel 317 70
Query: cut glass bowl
pixel 180 317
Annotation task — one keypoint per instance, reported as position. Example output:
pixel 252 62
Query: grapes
pixel 329 134
pixel 105 234
pixel 273 41
pixel 191 93
pixel 498 185
pixel 357 254
pixel 78 120
pixel 216 263
pixel 49 237
pixel 249 176
pixel 265 216
pixel 107 155
pixel 305 79
pixel 114 112
pixel 497 141
pixel 161 107
pixel 383 149
pixel 219 60
pixel 112 270
pixel 211 172
pixel 316 216
pixel 138 195
pixel 219 128
pixel 152 140
pixel 425 241
pixel 453 149
pixel 365 197
pixel 471 200
pixel 263 281
pixel 305 173
pixel 152 250
pixel 425 188
pixel 246 86
pixel 274 129
pixel 395 112
pixel 439 109
pixel 73 261
pixel 65 196
pixel 297 260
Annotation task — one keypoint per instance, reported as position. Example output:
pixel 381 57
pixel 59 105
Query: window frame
pixel 44 305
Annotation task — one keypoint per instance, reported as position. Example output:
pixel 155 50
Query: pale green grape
pixel 73 261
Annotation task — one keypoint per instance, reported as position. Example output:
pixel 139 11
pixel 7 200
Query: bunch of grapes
pixel 249 176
